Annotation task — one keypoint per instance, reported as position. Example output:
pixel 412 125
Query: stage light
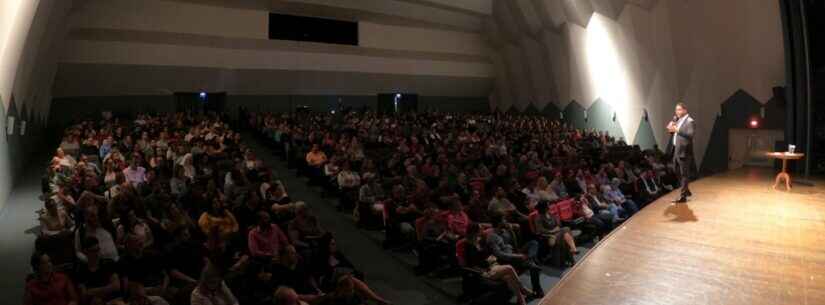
pixel 608 73
pixel 754 123
pixel 202 95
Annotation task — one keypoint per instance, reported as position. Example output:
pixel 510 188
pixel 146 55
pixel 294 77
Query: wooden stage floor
pixel 736 241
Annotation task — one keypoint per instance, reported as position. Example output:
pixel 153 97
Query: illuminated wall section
pixel 625 58
pixel 30 34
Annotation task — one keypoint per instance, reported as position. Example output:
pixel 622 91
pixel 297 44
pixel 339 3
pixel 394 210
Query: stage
pixel 737 241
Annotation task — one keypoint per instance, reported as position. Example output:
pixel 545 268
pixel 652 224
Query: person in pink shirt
pixel 135 174
pixel 266 239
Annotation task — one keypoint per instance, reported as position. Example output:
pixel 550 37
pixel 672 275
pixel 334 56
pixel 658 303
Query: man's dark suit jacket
pixel 684 140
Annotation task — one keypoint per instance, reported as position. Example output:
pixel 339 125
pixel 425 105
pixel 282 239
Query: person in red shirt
pixel 267 239
pixel 457 220
pixel 47 287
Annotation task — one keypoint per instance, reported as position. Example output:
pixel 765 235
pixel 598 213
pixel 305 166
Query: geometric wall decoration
pixel 627 62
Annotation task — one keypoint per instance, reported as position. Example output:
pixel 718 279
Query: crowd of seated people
pixel 518 189
pixel 176 209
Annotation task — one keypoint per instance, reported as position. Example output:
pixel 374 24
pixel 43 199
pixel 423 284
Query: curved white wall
pixel 642 55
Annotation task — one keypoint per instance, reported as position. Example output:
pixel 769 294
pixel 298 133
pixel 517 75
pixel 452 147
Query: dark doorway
pixel 397 103
pixel 200 101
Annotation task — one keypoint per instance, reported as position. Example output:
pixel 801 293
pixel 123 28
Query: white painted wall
pixel 30 36
pixel 15 20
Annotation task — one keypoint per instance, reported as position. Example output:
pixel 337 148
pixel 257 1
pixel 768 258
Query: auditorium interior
pixel 412 152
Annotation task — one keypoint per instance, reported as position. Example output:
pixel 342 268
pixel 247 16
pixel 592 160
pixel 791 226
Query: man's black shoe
pixel 680 200
pixel 688 194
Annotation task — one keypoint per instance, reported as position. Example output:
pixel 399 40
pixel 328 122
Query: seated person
pixel 547 229
pixel 219 217
pixel 501 240
pixel 96 279
pixel 136 175
pixel 348 182
pixel 144 267
pixel 401 216
pixel 614 195
pixel 433 242
pixel 315 158
pixel 370 207
pixel 91 228
pixel 246 213
pixel 597 221
pixel 476 256
pixel 212 289
pixel 186 259
pixel 457 220
pixel 305 228
pixel 608 211
pixel 62 159
pixel 349 290
pixel 131 224
pixel 332 269
pixel 502 206
pixel 277 195
pixel 47 287
pixel 54 220
pixel 266 239
pixel 291 272
pixel 476 209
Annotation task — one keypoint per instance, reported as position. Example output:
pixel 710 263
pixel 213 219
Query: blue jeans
pixel 630 207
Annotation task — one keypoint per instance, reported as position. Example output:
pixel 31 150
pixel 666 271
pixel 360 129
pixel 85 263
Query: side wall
pixel 31 34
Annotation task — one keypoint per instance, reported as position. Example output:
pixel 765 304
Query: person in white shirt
pixel 136 175
pixel 91 227
pixel 349 182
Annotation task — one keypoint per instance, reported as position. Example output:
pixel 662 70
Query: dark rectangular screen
pixel 301 28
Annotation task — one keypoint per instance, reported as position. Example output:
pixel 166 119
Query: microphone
pixel 675 118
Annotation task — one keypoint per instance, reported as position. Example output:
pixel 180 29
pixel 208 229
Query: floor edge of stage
pixel 714 207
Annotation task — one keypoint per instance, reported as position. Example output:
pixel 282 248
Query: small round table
pixel 783 175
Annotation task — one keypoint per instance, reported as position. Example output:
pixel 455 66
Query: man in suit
pixel 682 127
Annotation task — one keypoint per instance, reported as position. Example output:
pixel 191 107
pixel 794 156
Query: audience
pixel 96 279
pixel 187 213
pixel 443 171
